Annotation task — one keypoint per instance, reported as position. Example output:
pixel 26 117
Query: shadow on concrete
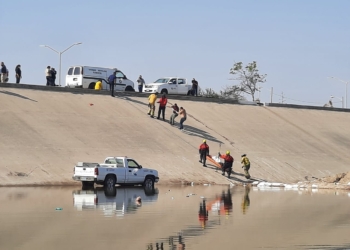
pixel 192 131
pixel 135 101
pixel 17 95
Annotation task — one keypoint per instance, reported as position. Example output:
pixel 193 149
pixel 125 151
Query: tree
pixel 248 76
pixel 208 93
pixel 232 92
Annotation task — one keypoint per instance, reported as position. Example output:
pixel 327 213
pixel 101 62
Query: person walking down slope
pixel 162 105
pixel 98 85
pixel 112 81
pixel 183 116
pixel 203 152
pixel 174 114
pixel 152 104
pixel 246 165
pixel 18 73
pixel 227 164
pixel 140 82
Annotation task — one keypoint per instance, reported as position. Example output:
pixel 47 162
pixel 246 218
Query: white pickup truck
pixel 169 85
pixel 115 170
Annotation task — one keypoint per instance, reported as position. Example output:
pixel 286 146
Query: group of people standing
pixel 228 160
pixel 50 76
pixel 176 111
pixel 4 73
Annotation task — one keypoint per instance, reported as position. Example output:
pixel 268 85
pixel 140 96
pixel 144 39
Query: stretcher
pixel 215 160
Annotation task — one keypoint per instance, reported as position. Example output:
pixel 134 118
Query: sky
pixel 297 43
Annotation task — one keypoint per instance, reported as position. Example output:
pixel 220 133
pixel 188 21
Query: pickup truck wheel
pixel 110 181
pixel 149 183
pixel 164 91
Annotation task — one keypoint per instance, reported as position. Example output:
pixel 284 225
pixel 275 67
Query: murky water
pixel 193 217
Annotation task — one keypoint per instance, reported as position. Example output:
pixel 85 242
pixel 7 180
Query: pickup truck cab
pixel 115 170
pixel 169 85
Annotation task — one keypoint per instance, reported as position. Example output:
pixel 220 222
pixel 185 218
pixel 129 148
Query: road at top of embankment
pixel 45 133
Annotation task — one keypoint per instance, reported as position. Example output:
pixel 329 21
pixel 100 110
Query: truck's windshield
pixel 162 80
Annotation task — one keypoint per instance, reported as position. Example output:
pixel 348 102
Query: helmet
pixel 204 141
pixel 227 152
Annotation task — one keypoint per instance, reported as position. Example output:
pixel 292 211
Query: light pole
pixel 340 98
pixel 346 89
pixel 60 56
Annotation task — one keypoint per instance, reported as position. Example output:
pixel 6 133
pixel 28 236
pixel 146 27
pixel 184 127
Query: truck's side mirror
pixel 140 166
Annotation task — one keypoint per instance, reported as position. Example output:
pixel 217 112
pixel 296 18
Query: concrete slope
pixel 43 134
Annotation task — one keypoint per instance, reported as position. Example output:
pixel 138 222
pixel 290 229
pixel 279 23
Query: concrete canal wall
pixel 44 132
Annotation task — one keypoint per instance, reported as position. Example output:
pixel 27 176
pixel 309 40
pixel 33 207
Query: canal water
pixel 191 217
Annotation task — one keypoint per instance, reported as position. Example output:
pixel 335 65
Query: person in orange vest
pixel 227 164
pixel 162 104
pixel 203 152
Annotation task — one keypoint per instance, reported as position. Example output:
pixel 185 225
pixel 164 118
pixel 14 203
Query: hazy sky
pixel 297 43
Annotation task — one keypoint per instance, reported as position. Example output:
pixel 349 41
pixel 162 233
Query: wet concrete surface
pixel 189 217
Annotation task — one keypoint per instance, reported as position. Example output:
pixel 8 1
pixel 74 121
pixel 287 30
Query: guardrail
pixel 117 93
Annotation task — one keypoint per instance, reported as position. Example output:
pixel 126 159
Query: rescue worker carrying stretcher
pixel 227 165
pixel 203 152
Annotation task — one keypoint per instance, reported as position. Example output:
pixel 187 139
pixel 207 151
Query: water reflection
pixel 218 206
pixel 222 205
pixel 245 201
pixel 114 200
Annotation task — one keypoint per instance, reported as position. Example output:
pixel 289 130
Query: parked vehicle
pixel 115 170
pixel 169 85
pixel 86 77
pixel 114 200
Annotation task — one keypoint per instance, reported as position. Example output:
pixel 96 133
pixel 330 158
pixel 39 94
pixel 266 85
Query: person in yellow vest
pixel 152 104
pixel 98 85
pixel 246 165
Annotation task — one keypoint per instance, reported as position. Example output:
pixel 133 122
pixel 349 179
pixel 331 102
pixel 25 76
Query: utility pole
pixel 271 94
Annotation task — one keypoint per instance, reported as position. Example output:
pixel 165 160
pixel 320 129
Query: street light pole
pixel 60 58
pixel 346 89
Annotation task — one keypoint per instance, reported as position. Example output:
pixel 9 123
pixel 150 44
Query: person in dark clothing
pixel 162 104
pixel 53 76
pixel 227 164
pixel 194 87
pixel 203 152
pixel 3 73
pixel 111 81
pixel 174 114
pixel 18 73
pixel 48 76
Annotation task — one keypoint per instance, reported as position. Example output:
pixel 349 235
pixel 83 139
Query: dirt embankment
pixel 44 134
